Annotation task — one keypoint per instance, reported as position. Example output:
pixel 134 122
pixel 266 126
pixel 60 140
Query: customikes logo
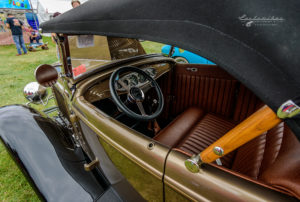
pixel 260 21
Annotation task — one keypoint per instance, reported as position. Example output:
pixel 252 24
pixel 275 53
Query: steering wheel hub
pixel 136 95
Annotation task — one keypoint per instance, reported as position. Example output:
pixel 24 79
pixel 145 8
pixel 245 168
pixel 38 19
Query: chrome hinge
pixel 62 75
pixel 91 166
pixel 192 69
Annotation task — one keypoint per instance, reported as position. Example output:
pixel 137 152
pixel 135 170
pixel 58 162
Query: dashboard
pixel 100 90
pixel 135 79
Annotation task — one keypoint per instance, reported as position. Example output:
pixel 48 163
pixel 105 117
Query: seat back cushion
pixel 205 86
pixel 273 158
pixel 283 170
pixel 249 157
pixel 246 104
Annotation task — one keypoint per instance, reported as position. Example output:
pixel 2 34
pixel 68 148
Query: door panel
pixel 146 184
pixel 211 184
pixel 141 164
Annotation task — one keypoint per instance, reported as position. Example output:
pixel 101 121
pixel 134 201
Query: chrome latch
pixel 192 69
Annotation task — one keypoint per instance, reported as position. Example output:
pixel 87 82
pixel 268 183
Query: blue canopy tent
pixel 32 20
pixel 18 7
pixel 22 5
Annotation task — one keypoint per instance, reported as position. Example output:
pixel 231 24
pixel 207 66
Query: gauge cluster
pixel 101 89
pixel 135 79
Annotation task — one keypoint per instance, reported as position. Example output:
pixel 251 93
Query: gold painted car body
pixel 154 170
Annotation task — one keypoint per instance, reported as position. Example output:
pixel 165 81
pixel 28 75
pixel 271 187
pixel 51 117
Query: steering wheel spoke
pixel 126 87
pixel 141 108
pixel 147 86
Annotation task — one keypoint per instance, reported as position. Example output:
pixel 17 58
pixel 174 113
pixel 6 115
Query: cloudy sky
pixel 52 6
pixel 34 2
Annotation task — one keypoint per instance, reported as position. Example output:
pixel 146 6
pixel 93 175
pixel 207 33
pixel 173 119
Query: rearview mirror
pixel 46 75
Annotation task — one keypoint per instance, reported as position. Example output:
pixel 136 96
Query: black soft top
pixel 258 42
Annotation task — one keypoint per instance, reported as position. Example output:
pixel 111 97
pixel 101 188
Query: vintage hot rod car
pixel 133 126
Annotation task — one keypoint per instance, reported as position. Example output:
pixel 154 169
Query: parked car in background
pixel 184 56
pixel 132 126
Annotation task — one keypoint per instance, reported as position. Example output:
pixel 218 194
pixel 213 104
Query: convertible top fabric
pixel 258 42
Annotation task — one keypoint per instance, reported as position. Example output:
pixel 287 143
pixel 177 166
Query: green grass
pixel 15 73
pixel 152 47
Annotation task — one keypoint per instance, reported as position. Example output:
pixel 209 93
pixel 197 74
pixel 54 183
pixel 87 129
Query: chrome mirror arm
pixel 47 100
pixel 44 103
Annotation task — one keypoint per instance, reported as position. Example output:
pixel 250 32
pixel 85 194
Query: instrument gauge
pixel 151 72
pixel 126 82
pixel 141 78
pixel 133 79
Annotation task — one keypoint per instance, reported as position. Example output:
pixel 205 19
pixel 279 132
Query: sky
pixel 52 6
pixel 34 2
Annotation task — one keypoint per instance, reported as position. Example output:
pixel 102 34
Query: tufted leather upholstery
pixel 272 158
pixel 259 153
pixel 210 88
pixel 177 130
pixel 249 157
pixel 246 104
pixel 281 168
pixel 194 130
pixel 206 131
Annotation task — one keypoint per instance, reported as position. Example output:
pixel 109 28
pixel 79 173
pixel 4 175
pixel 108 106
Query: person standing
pixel 16 27
pixel 75 3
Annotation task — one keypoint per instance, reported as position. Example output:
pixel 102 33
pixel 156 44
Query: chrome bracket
pixel 219 162
pixel 90 166
pixel 193 164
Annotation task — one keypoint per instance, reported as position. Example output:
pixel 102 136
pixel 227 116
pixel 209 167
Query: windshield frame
pixel 118 50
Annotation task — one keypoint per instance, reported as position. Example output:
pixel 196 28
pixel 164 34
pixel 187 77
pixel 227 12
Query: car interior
pixel 201 104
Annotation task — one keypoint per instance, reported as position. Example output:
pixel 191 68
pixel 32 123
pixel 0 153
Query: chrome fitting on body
pixel 193 164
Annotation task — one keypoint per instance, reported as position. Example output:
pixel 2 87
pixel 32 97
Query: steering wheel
pixel 135 94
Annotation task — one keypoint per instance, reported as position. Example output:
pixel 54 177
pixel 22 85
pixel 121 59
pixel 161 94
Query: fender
pixel 47 158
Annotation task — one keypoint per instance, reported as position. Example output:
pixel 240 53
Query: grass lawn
pixel 15 73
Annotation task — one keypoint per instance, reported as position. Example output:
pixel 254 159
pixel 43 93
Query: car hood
pixel 258 42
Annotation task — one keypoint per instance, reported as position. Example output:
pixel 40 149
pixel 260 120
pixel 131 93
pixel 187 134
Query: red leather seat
pixel 272 158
